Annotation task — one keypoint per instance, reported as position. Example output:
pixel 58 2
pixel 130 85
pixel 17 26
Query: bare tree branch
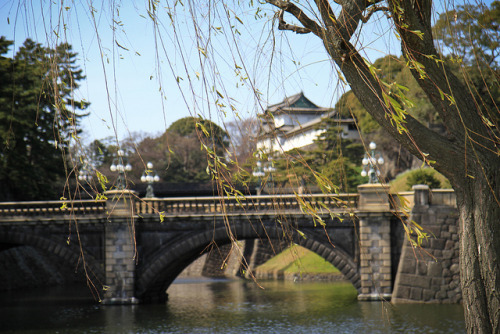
pixel 291 8
pixel 327 14
pixel 373 10
pixel 350 16
pixel 282 25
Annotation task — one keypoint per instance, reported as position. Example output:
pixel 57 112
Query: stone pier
pixel 431 274
pixel 119 249
pixel 375 242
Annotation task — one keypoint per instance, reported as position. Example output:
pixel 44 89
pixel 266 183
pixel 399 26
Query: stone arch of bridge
pixel 69 254
pixel 154 277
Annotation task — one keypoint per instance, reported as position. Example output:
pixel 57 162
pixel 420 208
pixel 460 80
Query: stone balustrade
pixel 245 205
pixel 52 208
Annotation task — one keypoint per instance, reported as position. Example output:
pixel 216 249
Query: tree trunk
pixel 477 200
pixel 467 154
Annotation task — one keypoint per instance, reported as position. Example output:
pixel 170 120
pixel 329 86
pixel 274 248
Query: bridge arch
pixel 154 277
pixel 69 254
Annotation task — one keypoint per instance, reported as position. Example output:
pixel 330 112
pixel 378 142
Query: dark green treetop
pixel 38 117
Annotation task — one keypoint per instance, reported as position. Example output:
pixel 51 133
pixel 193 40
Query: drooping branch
pixel 451 99
pixel 370 92
pixel 336 37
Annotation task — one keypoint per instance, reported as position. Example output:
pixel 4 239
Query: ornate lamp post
pixel 147 176
pixel 370 162
pixel 260 171
pixel 85 174
pixel 121 165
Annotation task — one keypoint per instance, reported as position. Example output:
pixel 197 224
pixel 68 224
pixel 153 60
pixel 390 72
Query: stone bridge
pixel 134 248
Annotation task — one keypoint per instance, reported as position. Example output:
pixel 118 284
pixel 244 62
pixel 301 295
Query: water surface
pixel 224 306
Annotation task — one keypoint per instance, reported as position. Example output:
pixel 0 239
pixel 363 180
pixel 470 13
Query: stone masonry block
pixel 408 266
pixel 385 243
pixel 386 277
pixel 365 230
pixel 365 256
pixel 450 244
pixel 403 292
pixel 428 295
pixel 364 236
pixel 434 269
pixel 366 277
pixel 365 243
pixel 416 293
pixel 385 256
pixel 448 254
pixel 438 243
pixel 421 281
pixel 405 279
pixel 384 229
pixel 385 270
pixel 385 283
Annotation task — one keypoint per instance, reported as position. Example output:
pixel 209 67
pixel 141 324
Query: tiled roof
pixel 296 104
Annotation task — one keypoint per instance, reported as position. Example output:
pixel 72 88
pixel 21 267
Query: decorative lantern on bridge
pixel 121 165
pixel 147 176
pixel 261 170
pixel 371 163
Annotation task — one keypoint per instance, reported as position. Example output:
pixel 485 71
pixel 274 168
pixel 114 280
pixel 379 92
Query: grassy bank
pixel 298 260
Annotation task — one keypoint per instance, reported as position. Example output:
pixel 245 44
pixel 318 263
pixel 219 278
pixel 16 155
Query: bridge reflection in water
pixel 139 246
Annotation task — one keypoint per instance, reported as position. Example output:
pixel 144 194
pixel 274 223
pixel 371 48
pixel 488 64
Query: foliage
pixel 189 140
pixel 178 155
pixel 38 118
pixel 393 71
pixel 470 34
pixel 336 158
pixel 422 176
pixel 400 183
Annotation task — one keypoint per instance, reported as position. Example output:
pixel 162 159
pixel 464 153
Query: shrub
pixel 423 176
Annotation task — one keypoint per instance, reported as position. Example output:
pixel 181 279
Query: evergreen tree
pixel 37 119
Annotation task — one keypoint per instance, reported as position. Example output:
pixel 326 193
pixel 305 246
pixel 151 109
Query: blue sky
pixel 127 68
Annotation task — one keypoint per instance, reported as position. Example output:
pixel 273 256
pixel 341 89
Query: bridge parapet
pixel 434 197
pixel 245 205
pixel 52 208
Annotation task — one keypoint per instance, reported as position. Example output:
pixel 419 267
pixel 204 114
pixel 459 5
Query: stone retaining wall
pixel 280 275
pixel 430 274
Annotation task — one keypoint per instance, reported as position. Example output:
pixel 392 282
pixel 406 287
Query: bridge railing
pixel 246 205
pixel 436 197
pixel 315 203
pixel 52 208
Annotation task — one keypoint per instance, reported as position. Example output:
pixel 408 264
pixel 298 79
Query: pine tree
pixel 38 116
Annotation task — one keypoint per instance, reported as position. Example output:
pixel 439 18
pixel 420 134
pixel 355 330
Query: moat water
pixel 224 306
